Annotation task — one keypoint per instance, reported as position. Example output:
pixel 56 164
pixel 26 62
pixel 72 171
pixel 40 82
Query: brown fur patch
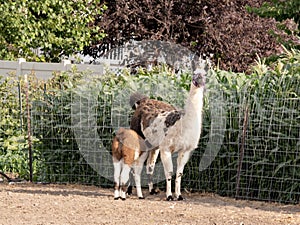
pixel 124 187
pixel 125 144
pixel 116 186
pixel 116 149
pixel 172 117
pixel 172 148
pixel 151 156
pixel 128 155
pixel 130 139
pixel 146 112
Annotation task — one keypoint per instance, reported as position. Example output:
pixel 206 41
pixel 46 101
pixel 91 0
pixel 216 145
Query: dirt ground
pixel 75 204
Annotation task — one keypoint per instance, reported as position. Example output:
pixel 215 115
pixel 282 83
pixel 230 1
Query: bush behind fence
pixel 258 157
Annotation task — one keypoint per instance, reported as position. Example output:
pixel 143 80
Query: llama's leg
pixel 124 179
pixel 131 183
pixel 150 169
pixel 182 159
pixel 138 167
pixel 166 158
pixel 117 172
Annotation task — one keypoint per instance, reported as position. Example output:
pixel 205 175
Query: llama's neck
pixel 194 105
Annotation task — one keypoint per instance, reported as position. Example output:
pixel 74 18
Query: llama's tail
pixel 135 99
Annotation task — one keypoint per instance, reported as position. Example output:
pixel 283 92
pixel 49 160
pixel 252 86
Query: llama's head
pixel 200 68
pixel 199 76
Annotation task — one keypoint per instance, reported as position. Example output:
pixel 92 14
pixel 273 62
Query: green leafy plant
pixel 56 27
pixel 14 155
pixel 280 10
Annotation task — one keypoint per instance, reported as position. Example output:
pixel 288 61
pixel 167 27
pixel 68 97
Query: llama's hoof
pixel 170 198
pixel 123 199
pixel 180 198
pixel 129 190
pixel 154 191
pixel 141 197
pixel 116 198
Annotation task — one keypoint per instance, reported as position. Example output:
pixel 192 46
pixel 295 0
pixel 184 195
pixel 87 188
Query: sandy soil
pixel 75 204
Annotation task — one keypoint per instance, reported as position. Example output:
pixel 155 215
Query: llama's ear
pixel 195 62
pixel 206 66
pixel 198 63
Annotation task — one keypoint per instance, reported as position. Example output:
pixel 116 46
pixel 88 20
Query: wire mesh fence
pixel 270 168
pixel 249 147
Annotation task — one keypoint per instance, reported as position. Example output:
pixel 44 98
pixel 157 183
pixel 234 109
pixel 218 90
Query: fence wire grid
pixel 258 157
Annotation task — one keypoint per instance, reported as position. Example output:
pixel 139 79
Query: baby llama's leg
pixel 117 172
pixel 182 159
pixel 150 169
pixel 166 157
pixel 138 167
pixel 124 179
pixel 130 184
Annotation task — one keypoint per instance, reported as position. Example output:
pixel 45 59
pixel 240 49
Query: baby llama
pixel 128 152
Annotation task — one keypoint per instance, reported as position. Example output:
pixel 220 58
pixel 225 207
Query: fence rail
pixel 45 70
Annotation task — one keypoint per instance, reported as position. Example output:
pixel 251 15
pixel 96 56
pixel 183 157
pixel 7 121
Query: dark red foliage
pixel 223 28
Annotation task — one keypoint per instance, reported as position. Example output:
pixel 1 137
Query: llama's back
pixel 160 127
pixel 146 112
